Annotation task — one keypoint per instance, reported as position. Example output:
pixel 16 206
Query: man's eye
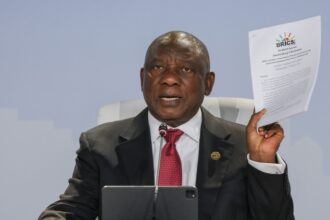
pixel 158 67
pixel 186 70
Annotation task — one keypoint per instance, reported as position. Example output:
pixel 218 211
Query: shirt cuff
pixel 270 168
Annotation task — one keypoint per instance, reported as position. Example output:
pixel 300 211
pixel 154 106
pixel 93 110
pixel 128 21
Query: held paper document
pixel 284 63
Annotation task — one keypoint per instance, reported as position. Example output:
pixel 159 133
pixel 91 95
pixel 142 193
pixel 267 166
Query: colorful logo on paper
pixel 287 39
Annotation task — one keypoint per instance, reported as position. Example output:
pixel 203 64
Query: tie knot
pixel 173 135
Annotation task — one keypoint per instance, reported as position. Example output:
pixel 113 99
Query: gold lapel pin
pixel 215 155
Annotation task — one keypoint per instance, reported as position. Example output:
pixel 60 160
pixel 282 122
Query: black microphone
pixel 162 132
pixel 162 129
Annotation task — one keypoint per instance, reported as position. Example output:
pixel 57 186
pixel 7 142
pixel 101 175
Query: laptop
pixel 141 203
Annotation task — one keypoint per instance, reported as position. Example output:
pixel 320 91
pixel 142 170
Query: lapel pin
pixel 215 155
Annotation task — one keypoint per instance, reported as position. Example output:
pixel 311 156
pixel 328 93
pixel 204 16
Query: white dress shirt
pixel 188 150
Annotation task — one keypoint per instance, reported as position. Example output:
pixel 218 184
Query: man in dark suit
pixel 237 170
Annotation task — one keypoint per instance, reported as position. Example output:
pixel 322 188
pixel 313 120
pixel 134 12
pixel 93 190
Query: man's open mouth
pixel 170 98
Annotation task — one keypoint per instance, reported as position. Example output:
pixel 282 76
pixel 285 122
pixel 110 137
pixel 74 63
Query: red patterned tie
pixel 170 173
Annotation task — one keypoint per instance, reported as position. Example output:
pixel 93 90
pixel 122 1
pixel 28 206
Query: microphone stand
pixel 162 132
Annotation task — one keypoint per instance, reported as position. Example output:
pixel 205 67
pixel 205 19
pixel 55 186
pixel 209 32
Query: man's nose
pixel 171 77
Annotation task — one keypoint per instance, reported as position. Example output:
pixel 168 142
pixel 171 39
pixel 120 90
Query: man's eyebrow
pixel 154 60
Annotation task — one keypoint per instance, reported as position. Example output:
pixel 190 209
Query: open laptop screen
pixel 140 203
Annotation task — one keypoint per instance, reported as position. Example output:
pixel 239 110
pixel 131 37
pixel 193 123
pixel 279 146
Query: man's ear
pixel 141 77
pixel 209 81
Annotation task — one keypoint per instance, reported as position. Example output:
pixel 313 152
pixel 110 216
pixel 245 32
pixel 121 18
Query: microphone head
pixel 162 129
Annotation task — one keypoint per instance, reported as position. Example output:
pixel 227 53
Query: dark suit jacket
pixel 119 153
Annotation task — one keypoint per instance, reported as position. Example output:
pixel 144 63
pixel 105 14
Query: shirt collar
pixel 191 128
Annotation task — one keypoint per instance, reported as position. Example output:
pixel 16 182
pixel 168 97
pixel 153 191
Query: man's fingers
pixel 255 118
pixel 271 130
pixel 261 131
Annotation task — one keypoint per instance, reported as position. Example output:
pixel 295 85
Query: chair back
pixel 236 110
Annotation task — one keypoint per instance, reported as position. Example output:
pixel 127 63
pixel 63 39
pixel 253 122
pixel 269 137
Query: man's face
pixel 174 82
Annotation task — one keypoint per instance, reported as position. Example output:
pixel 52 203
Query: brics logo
pixel 285 40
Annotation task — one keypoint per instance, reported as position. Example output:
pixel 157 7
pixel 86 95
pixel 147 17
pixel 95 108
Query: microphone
pixel 162 132
pixel 162 129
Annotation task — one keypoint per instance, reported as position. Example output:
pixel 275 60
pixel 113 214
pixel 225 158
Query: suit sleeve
pixel 81 198
pixel 269 195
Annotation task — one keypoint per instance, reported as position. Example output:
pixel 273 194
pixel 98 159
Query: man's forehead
pixel 179 43
pixel 174 49
pixel 176 55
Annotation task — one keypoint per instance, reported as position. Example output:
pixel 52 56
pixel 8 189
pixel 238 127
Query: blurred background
pixel 61 60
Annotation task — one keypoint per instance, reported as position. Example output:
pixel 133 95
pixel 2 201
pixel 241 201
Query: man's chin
pixel 172 118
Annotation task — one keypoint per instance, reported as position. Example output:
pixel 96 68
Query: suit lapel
pixel 134 152
pixel 214 153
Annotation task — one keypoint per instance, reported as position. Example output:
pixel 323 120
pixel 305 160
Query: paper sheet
pixel 284 63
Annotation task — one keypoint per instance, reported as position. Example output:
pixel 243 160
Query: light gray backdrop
pixel 60 60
